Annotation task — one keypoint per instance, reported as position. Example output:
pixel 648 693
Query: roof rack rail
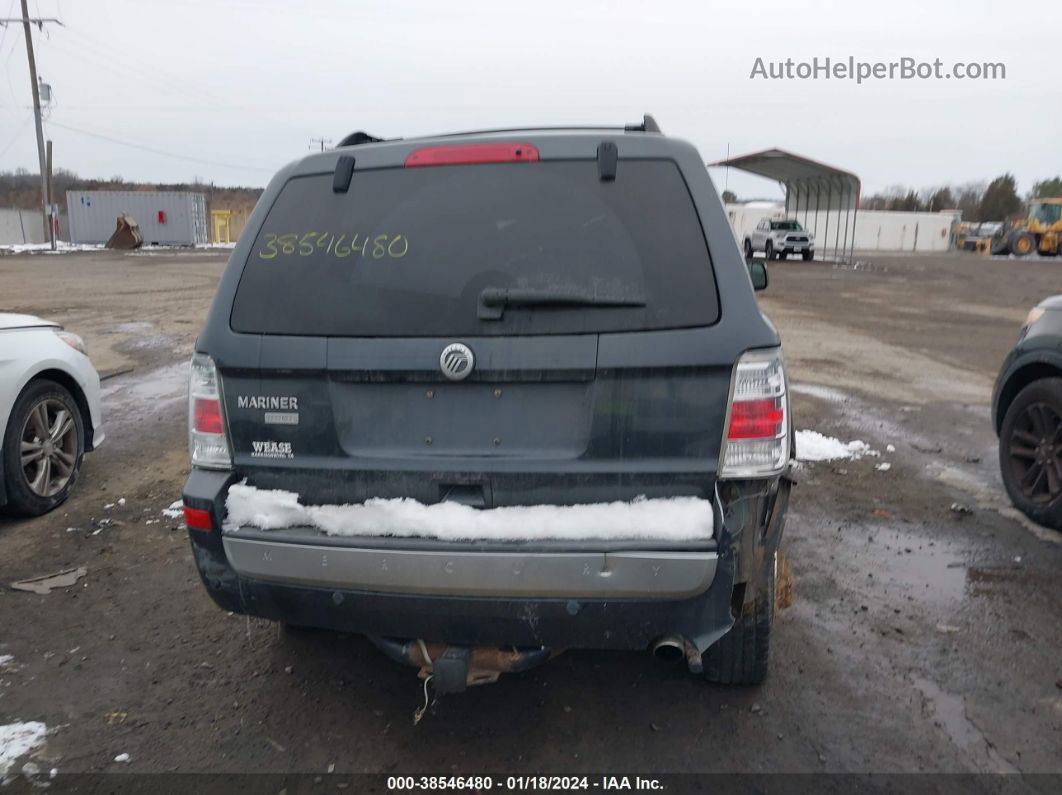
pixel 648 125
pixel 359 137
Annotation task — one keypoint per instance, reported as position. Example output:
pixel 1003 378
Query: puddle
pixel 925 573
pixel 949 713
pixel 134 396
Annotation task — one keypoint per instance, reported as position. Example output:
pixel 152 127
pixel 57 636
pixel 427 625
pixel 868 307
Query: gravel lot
pixel 911 637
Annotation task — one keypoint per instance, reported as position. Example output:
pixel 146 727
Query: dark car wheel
pixel 1030 451
pixel 44 445
pixel 740 656
pixel 768 249
pixel 783 254
pixel 748 248
pixel 808 255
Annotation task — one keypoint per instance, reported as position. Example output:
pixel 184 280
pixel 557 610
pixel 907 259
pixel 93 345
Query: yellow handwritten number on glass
pixel 396 251
pixel 287 243
pixel 271 246
pixel 345 252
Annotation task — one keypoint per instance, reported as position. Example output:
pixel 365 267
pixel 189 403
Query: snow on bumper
pixel 676 519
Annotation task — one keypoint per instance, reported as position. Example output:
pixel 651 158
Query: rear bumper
pixel 591 598
pixel 450 570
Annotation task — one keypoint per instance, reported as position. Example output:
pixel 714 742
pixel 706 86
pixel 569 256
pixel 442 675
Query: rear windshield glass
pixel 791 226
pixel 410 252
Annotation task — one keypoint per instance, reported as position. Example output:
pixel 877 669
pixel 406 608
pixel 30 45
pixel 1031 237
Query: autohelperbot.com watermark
pixel 851 68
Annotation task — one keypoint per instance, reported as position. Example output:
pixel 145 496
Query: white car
pixel 780 237
pixel 49 413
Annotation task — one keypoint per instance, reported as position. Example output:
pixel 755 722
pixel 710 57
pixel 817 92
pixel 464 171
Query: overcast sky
pixel 229 90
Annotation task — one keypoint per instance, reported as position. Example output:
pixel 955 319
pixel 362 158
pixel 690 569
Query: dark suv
pixel 483 397
pixel 1027 414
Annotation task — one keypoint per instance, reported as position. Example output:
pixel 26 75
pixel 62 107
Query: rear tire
pixel 1030 452
pixel 31 491
pixel 808 255
pixel 740 656
pixel 783 255
pixel 748 248
pixel 768 250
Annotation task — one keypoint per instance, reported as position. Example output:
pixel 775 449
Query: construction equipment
pixel 1040 230
pixel 975 236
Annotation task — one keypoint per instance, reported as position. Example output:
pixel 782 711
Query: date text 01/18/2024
pixel 524 783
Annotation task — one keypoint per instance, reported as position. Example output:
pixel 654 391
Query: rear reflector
pixel 756 419
pixel 472 154
pixel 197 519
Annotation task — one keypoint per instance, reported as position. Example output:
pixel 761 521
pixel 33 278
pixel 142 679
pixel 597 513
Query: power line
pixel 17 135
pixel 164 153
pixel 4 34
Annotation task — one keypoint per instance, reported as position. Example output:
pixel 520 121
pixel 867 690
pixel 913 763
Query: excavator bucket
pixel 127 234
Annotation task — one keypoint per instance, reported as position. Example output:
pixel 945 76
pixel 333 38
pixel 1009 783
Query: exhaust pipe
pixel 669 649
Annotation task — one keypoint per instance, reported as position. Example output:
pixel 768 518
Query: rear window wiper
pixel 493 300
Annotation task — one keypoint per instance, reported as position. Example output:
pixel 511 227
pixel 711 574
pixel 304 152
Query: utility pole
pixel 321 141
pixel 26 21
pixel 48 193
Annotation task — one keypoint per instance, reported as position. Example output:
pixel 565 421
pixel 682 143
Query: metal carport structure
pixel 812 190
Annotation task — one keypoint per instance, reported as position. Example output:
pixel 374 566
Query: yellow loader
pixel 1039 231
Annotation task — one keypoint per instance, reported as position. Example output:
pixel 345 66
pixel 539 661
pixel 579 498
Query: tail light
pixel 207 441
pixel 197 519
pixel 756 441
pixel 472 154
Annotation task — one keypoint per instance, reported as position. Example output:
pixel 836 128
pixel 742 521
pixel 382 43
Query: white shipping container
pixel 165 218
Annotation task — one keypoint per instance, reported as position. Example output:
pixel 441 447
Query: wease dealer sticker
pixel 271 450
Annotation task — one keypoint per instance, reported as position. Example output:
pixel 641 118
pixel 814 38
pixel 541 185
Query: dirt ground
pixel 913 637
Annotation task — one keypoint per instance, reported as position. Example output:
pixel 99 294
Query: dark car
pixel 487 396
pixel 1027 411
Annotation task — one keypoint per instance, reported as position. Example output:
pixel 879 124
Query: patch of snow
pixel 884 466
pixel 61 247
pixel 17 740
pixel 890 448
pixel 122 758
pixel 108 506
pixel 814 446
pixel 121 501
pixel 670 519
pixel 6 660
pixel 175 511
